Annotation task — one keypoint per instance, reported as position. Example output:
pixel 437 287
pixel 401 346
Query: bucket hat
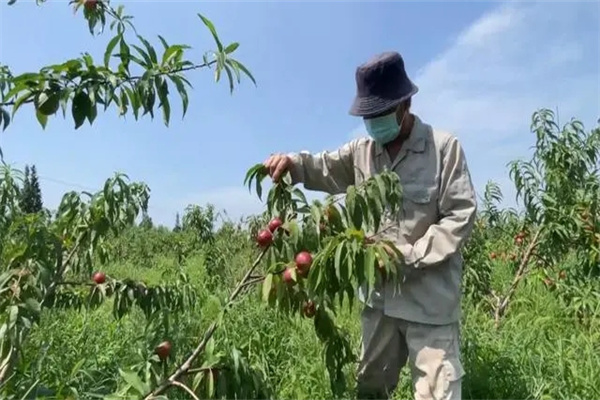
pixel 381 84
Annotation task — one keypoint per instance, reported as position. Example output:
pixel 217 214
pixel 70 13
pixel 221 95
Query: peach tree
pixel 560 190
pixel 318 256
pixel 311 260
pixel 50 259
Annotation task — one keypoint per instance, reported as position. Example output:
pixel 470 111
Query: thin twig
pixel 63 267
pixel 73 283
pixel 183 368
pixel 7 363
pixel 184 387
pixel 521 272
pixel 253 281
pixel 201 369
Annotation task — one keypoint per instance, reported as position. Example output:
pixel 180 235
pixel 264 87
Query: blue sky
pixel 482 68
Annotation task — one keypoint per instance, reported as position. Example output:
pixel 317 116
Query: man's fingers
pixel 276 165
pixel 270 165
pixel 279 169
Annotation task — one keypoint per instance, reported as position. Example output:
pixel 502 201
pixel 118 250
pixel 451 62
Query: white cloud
pixel 516 59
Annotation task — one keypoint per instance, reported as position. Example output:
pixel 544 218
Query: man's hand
pixel 277 165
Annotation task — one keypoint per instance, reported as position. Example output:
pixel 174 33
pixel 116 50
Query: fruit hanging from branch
pixel 274 224
pixel 99 277
pixel 288 276
pixel 163 350
pixel 264 238
pixel 303 262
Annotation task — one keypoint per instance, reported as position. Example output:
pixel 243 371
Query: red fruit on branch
pixel 275 223
pixel 90 5
pixel 303 262
pixel 264 238
pixel 163 350
pixel 519 240
pixel 99 277
pixel 309 309
pixel 288 275
pixel 493 255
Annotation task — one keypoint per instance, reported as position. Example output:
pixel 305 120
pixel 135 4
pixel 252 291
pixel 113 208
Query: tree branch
pixel 503 302
pixel 131 79
pixel 184 387
pixel 183 368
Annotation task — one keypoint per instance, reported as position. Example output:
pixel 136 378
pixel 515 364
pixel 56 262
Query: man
pixel 420 322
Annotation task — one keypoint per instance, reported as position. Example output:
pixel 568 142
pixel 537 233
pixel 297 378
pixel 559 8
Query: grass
pixel 537 353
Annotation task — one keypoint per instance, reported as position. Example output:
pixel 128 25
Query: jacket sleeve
pixel 329 171
pixel 457 205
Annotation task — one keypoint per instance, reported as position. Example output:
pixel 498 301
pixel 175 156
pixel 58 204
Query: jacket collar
pixel 416 140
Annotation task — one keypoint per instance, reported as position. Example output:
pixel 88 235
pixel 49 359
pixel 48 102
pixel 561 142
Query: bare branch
pixel 184 387
pixel 504 301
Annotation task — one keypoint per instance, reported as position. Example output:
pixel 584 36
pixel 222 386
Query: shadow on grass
pixel 490 374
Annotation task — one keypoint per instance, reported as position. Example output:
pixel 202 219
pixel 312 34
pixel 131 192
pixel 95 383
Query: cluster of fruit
pixel 519 238
pixel 302 261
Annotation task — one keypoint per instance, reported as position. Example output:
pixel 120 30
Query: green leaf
pixel 238 65
pixel 162 89
pixel 213 31
pixel 13 314
pixel 210 387
pixel 134 380
pixel 151 51
pixel 124 53
pixel 361 212
pixel 147 63
pixel 33 305
pixel 351 203
pixel 77 367
pixel 164 42
pixel 80 108
pixel 170 53
pixel 339 259
pixel 258 188
pixel 42 119
pixel 93 111
pixel 20 101
pixel 267 285
pixel 182 92
pixel 229 78
pixel 197 380
pixel 4 117
pixel 231 48
pixel 109 49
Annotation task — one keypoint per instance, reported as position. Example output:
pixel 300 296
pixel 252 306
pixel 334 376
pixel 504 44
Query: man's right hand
pixel 277 165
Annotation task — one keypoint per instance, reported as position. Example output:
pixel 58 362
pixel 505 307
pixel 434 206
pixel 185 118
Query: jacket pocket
pixel 419 210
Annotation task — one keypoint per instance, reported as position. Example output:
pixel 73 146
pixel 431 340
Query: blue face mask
pixel 384 129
